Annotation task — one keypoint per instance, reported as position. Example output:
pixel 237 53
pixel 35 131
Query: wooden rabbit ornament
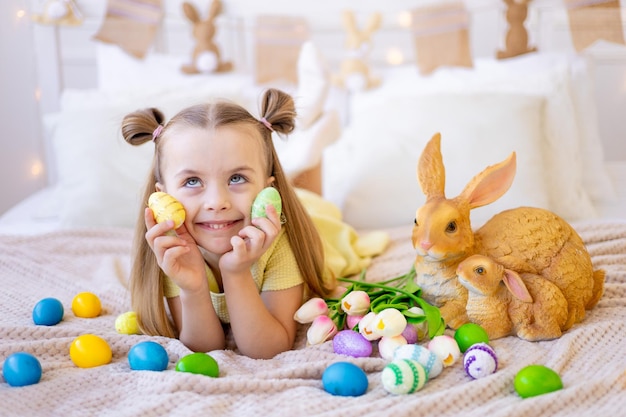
pixel 525 239
pixel 354 73
pixel 206 56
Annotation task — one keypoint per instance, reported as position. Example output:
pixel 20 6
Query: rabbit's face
pixel 480 275
pixel 441 232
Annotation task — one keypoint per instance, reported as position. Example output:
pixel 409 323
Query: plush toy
pixel 526 240
pixel 527 305
pixel 517 36
pixel 59 12
pixel 206 55
pixel 354 73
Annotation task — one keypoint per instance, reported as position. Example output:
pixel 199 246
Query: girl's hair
pixel 277 114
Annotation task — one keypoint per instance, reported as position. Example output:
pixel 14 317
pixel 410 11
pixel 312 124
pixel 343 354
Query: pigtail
pixel 139 126
pixel 279 110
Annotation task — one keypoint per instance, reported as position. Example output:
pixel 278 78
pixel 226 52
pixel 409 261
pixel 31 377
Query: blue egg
pixel 20 369
pixel 345 379
pixel 48 312
pixel 148 356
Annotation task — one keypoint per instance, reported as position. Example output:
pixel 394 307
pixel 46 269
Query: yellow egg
pixel 86 305
pixel 126 323
pixel 165 207
pixel 89 350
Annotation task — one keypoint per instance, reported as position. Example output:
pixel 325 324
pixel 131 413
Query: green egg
pixel 198 363
pixel 469 334
pixel 267 196
pixel 536 380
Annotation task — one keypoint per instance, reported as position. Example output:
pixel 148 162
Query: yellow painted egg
pixel 165 207
pixel 86 305
pixel 89 350
pixel 126 323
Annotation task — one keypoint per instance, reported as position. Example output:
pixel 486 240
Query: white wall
pixel 21 168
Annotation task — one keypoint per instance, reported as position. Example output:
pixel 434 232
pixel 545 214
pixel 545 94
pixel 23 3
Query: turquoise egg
pixel 198 363
pixel 148 356
pixel 48 312
pixel 21 369
pixel 344 379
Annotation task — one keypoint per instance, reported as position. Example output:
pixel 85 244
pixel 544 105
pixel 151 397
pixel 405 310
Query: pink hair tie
pixel 157 132
pixel 266 123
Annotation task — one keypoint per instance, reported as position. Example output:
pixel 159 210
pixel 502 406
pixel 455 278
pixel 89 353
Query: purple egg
pixel 410 334
pixel 351 343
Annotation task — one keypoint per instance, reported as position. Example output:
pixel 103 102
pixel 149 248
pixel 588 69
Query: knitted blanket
pixel 589 357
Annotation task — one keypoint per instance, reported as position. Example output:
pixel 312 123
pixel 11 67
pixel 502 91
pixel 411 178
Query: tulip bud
pixel 389 322
pixel 322 329
pixel 365 327
pixel 308 311
pixel 388 345
pixel 356 303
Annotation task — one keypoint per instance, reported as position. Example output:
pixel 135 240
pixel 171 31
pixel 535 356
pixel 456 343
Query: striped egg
pixel 165 207
pixel 268 195
pixel 432 363
pixel 403 376
pixel 480 360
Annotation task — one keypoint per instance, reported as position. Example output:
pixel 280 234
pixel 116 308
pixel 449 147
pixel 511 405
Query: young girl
pixel 221 266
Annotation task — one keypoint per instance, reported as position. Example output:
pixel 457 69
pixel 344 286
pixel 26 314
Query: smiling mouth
pixel 218 226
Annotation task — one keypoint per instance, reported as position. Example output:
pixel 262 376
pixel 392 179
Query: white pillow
pixel 370 173
pixel 100 177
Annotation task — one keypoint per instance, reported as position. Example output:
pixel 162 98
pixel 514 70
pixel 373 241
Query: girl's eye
pixel 192 182
pixel 237 179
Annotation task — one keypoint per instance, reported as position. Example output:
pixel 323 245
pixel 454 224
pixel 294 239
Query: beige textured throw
pixel 589 357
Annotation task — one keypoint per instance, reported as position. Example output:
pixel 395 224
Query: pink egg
pixel 351 343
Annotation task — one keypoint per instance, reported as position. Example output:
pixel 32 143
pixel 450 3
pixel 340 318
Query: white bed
pixel 75 235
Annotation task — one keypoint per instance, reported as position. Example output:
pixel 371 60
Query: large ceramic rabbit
pixel 527 305
pixel 206 56
pixel 525 239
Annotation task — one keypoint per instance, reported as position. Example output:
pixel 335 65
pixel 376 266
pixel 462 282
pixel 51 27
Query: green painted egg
pixel 198 363
pixel 469 334
pixel 535 380
pixel 267 196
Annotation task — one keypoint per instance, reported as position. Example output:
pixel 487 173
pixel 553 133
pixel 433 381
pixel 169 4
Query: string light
pixel 405 19
pixel 394 56
pixel 36 169
pixel 20 13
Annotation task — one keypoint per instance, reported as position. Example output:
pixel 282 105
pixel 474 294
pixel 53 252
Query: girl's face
pixel 215 174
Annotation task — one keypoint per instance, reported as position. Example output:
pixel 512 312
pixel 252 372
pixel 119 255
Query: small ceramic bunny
pixel 206 55
pixel 354 73
pixel 516 41
pixel 527 305
pixel 524 239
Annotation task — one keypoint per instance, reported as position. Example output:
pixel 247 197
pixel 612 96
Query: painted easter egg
pixel 165 207
pixel 89 350
pixel 446 348
pixel 403 376
pixel 480 360
pixel 430 361
pixel 469 334
pixel 48 312
pixel 198 363
pixel 20 369
pixel 268 195
pixel 126 323
pixel 86 305
pixel 351 343
pixel 148 356
pixel 536 380
pixel 345 379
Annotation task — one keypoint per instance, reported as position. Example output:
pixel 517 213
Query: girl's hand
pixel 251 243
pixel 176 252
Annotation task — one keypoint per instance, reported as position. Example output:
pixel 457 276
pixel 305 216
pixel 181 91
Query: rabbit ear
pixel 349 21
pixel 191 12
pixel 214 9
pixel 491 183
pixel 431 173
pixel 516 286
pixel 373 23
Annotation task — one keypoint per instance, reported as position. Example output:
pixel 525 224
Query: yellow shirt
pixel 277 269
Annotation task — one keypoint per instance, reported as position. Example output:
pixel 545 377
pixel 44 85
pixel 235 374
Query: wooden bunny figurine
pixel 354 73
pixel 527 305
pixel 206 55
pixel 524 239
pixel 517 37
